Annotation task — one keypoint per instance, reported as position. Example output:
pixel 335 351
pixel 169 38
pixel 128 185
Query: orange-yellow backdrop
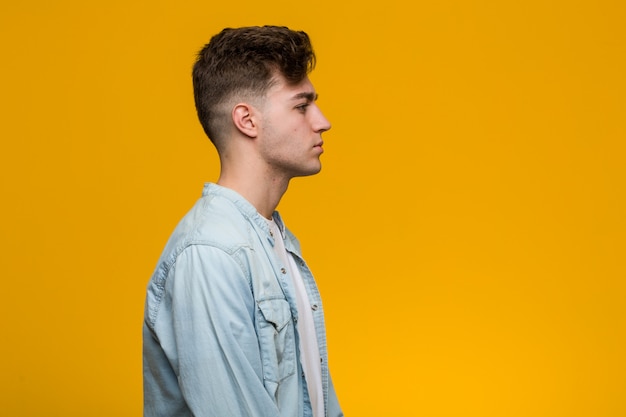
pixel 467 231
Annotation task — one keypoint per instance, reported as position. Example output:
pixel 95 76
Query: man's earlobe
pixel 244 120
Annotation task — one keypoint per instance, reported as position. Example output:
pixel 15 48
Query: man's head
pixel 241 64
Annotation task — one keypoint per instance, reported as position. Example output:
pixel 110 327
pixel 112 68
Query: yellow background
pixel 467 230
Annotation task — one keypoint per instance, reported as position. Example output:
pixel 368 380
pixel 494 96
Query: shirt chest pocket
pixel 276 339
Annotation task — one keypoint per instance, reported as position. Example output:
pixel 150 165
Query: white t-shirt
pixel 309 348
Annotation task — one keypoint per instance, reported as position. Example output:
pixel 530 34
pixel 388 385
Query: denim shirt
pixel 219 335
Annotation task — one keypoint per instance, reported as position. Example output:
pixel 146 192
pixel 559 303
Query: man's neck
pixel 263 193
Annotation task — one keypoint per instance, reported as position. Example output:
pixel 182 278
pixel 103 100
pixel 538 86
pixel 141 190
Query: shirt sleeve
pixel 217 357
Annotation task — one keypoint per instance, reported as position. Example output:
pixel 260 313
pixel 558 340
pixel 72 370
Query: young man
pixel 234 323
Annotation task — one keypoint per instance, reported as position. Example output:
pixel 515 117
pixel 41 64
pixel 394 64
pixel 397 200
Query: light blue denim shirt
pixel 220 336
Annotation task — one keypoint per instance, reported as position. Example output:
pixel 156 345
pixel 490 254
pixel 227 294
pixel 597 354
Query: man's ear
pixel 244 118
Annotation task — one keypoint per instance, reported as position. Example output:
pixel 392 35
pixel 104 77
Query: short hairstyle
pixel 243 62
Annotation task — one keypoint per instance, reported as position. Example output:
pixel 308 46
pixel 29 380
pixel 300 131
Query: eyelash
pixel 302 107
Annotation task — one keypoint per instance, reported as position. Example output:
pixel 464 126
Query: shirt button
pixel 314 307
pixel 271 234
pixel 283 270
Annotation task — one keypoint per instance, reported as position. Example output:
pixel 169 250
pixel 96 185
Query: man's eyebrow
pixel 310 96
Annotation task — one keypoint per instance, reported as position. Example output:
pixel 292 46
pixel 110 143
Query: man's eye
pixel 302 107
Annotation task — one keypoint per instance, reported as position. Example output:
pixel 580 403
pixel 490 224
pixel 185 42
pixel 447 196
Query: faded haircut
pixel 242 63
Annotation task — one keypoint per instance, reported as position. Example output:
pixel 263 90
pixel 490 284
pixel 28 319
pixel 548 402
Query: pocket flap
pixel 276 311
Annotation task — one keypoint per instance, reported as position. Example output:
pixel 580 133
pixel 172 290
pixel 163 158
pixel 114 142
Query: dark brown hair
pixel 243 62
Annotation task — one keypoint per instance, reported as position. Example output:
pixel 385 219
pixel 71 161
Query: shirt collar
pixel 244 206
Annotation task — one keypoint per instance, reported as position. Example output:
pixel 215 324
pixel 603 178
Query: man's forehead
pixel 301 90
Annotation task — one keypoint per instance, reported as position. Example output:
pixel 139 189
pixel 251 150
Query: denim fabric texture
pixel 219 334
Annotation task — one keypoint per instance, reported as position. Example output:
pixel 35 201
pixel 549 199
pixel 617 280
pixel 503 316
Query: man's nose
pixel 321 123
